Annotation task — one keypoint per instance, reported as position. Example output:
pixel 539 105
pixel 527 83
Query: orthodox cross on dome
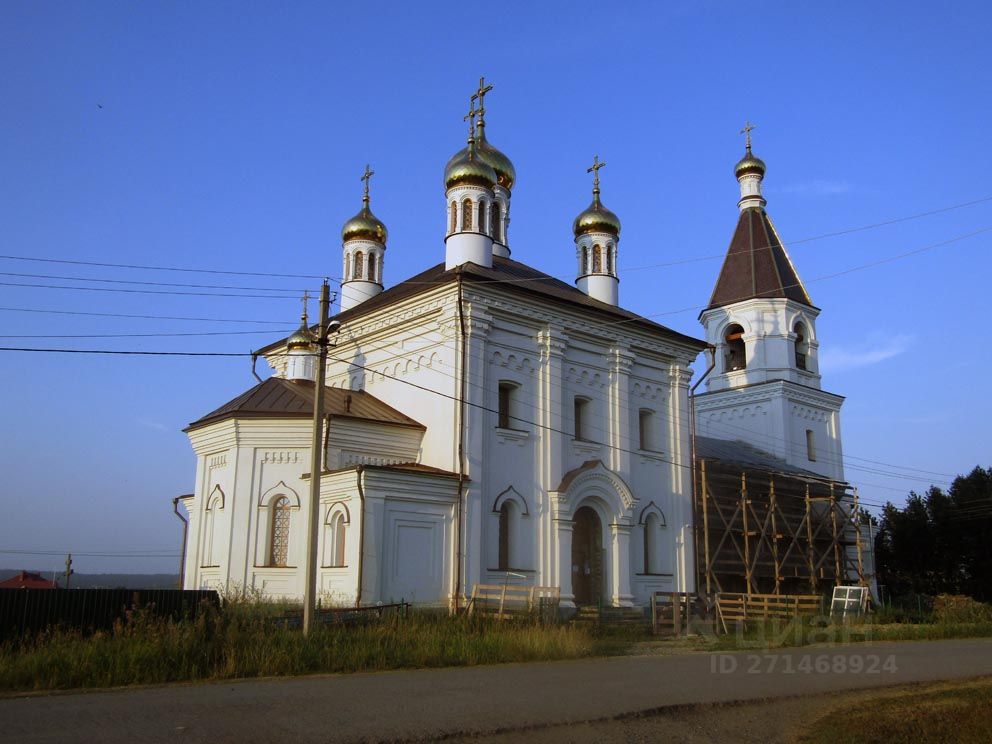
pixel 366 177
pixel 306 299
pixel 470 118
pixel 594 169
pixel 746 131
pixel 480 96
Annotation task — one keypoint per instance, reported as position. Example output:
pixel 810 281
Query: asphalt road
pixel 427 704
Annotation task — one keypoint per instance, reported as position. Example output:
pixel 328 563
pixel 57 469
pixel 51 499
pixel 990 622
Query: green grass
pixel 959 712
pixel 246 642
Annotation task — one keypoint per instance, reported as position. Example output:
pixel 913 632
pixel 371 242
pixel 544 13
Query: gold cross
pixel 470 118
pixel 746 131
pixel 306 298
pixel 594 169
pixel 366 177
pixel 480 96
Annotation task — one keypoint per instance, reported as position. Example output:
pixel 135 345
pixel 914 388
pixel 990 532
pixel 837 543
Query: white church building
pixel 486 422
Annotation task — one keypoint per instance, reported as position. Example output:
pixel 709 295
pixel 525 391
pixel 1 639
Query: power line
pixel 142 317
pixel 134 335
pixel 148 291
pixel 147 283
pixel 130 353
pixel 146 267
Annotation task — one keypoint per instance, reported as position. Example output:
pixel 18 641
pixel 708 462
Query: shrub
pixel 956 608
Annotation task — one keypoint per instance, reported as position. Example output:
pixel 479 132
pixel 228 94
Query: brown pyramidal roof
pixel 279 398
pixel 757 265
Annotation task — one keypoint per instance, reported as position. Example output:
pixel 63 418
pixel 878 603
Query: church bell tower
pixel 765 387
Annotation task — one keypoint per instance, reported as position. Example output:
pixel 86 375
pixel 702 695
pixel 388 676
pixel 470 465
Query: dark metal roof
pixel 511 276
pixel 279 398
pixel 757 265
pixel 742 454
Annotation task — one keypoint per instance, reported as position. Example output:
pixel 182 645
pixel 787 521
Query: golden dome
pixel 596 218
pixel 468 166
pixel 301 338
pixel 749 164
pixel 364 225
pixel 506 174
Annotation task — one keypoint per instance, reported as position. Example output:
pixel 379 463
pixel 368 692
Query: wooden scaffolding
pixel 764 532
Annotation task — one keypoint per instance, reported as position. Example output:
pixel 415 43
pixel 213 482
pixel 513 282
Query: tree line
pixel 939 542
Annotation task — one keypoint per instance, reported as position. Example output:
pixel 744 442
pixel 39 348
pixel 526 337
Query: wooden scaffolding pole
pixel 857 539
pixel 706 526
pixel 775 535
pixel 838 580
pixel 747 543
pixel 809 545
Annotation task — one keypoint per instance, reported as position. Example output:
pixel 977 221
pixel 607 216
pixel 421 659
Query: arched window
pixel 507 518
pixel 597 259
pixel 466 215
pixel 481 222
pixel 335 539
pixel 736 356
pixel 279 536
pixel 652 545
pixel 494 214
pixel 347 266
pixel 802 346
pixel 585 261
pixel 371 267
pixel 359 263
pixel 609 259
pixel 453 217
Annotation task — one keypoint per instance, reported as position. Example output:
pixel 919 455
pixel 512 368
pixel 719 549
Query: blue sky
pixel 231 136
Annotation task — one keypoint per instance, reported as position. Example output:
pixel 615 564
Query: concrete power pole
pixel 68 569
pixel 316 465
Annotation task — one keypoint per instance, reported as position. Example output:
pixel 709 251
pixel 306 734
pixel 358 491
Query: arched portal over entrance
pixel 587 557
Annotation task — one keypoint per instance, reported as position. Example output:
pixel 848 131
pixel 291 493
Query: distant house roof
pixel 515 277
pixel 757 265
pixel 746 456
pixel 28 580
pixel 279 398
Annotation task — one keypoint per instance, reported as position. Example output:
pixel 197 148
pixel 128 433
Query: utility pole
pixel 316 464
pixel 68 569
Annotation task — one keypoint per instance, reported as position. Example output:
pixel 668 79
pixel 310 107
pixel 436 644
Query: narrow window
pixel 454 217
pixel 481 222
pixel 338 531
pixel 359 263
pixel 279 540
pixel 347 266
pixel 371 267
pixel 505 402
pixel 581 409
pixel 504 535
pixel 597 260
pixel 645 422
pixel 652 545
pixel 494 213
pixel 609 259
pixel 585 261
pixel 736 357
pixel 810 446
pixel 466 215
pixel 802 346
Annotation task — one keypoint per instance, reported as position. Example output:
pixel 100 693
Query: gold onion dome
pixel 596 218
pixel 506 174
pixel 749 164
pixel 364 225
pixel 301 338
pixel 467 166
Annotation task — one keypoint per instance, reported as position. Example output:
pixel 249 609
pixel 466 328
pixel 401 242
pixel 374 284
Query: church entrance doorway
pixel 587 557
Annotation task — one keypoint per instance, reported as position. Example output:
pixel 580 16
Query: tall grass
pixel 241 641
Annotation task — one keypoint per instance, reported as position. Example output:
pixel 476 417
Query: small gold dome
pixel 596 218
pixel 506 174
pixel 366 226
pixel 467 166
pixel 300 339
pixel 749 164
